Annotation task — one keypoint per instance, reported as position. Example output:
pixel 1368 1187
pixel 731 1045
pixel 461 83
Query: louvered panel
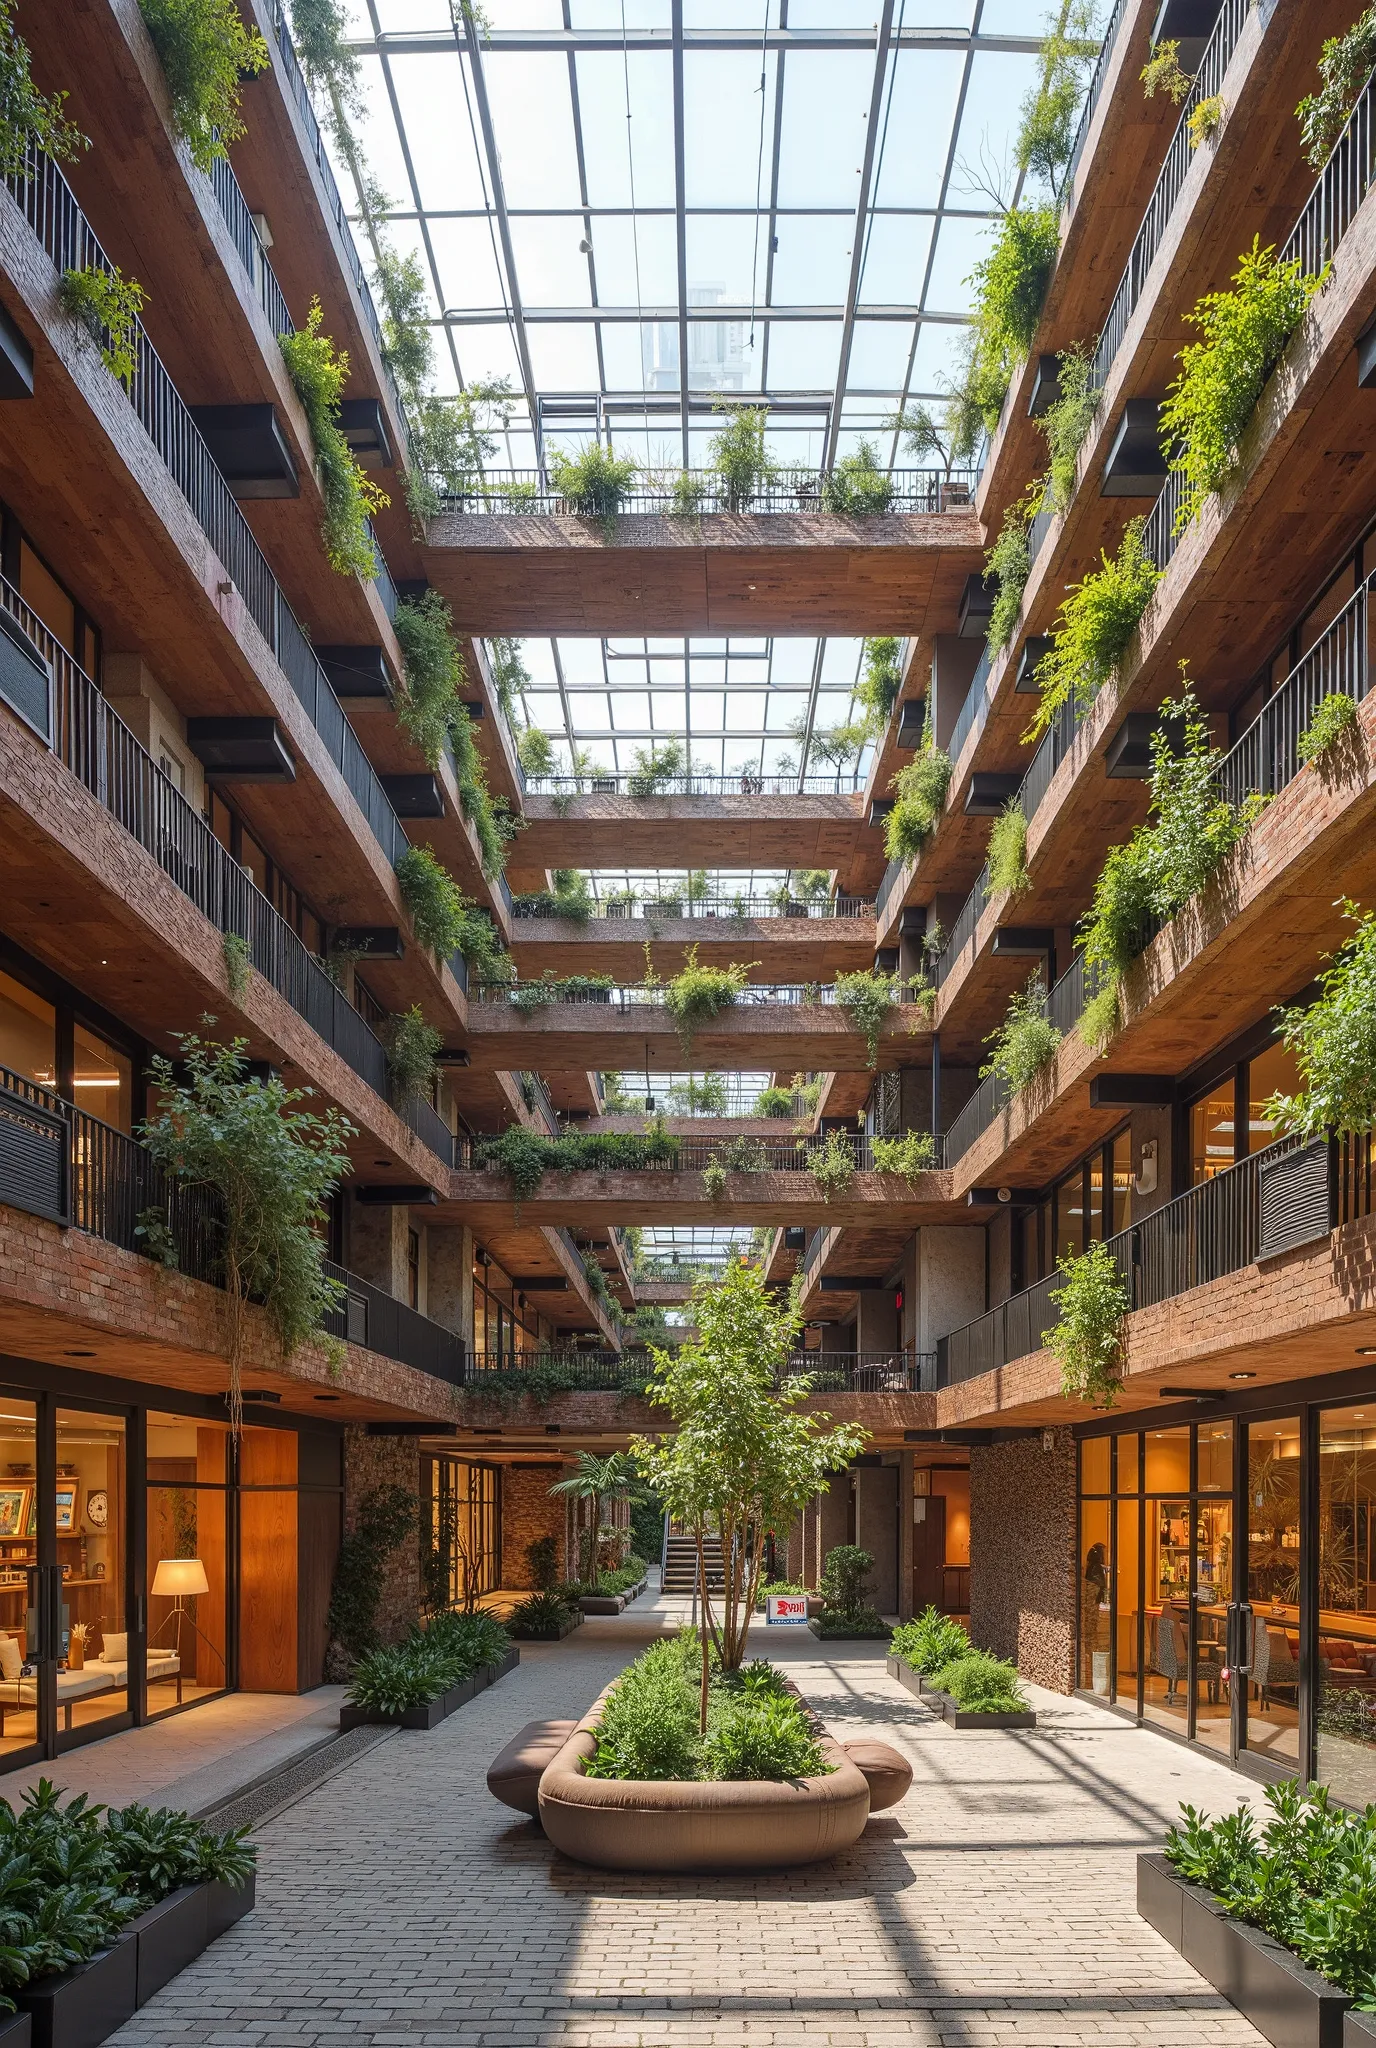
pixel 33 1159
pixel 1294 1200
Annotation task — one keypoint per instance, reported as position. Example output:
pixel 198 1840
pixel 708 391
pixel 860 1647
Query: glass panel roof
pixel 784 191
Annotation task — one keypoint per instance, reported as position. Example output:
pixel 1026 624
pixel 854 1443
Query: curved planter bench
pixel 751 1824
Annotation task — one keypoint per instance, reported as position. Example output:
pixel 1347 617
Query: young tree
pixel 598 1480
pixel 742 1459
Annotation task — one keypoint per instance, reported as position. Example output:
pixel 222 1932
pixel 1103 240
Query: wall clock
pixel 97 1507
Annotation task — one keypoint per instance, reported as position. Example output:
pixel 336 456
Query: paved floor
pixel 194 1759
pixel 401 1907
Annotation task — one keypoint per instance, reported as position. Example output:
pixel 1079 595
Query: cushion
pixel 514 1774
pixel 885 1770
pixel 11 1661
pixel 114 1649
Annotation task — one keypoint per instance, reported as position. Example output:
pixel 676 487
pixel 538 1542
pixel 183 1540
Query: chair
pixel 1173 1658
pixel 1273 1667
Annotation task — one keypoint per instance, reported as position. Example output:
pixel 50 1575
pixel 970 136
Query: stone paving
pixel 400 1907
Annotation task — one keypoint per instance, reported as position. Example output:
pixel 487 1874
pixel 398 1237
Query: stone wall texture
pixel 372 1461
pixel 528 1512
pixel 1022 1555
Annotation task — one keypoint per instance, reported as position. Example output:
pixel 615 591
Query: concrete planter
pixel 602 1603
pixel 839 1636
pixel 77 2008
pixel 1359 2029
pixel 168 1937
pixel 226 1903
pixel 434 1711
pixel 950 1711
pixel 566 1628
pixel 16 2031
pixel 1289 2005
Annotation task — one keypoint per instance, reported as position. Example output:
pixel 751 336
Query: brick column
pixel 449 1279
pixel 1022 1554
pixel 372 1461
pixel 528 1512
pixel 377 1244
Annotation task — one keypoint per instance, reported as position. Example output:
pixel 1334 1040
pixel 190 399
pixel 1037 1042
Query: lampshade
pixel 180 1576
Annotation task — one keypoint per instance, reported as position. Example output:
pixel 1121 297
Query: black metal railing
pixel 629 782
pixel 721 909
pixel 963 930
pixel 377 1321
pixel 1204 1234
pixel 742 1153
pixel 1091 98
pixel 974 711
pixel 248 242
pixel 51 210
pixel 694 492
pixel 637 997
pixel 864 1372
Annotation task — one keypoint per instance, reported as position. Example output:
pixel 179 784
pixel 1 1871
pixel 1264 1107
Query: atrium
pixel 655 647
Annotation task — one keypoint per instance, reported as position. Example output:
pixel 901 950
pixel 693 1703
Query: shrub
pixel 846 1578
pixel 1009 288
pixel 526 1156
pixel 206 53
pixel 697 994
pixel 880 680
pixel 542 1556
pixel 1088 1336
pixel 981 1683
pixel 318 377
pixel 1164 73
pixel 412 1046
pixel 428 703
pixel 594 481
pixel 858 484
pixel 1345 64
pixel 774 1102
pixel 1333 721
pixel 531 996
pixel 540 1616
pixel 1009 562
pixel 929 1641
pixel 867 997
pixel 29 119
pixel 1245 330
pixel 1008 851
pixel 1067 421
pixel 714 1179
pixel 831 1164
pixel 908 1156
pixel 1206 120
pixel 1097 619
pixel 107 305
pixel 763 1735
pixel 1026 1040
pixel 665 760
pixel 920 796
pixel 437 906
pixel 1334 1042
pixel 649 1724
pixel 738 454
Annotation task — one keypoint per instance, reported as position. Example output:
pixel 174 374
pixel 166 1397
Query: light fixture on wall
pixel 1145 1183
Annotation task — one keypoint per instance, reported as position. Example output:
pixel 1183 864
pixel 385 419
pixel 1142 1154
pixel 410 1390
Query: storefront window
pixel 1165 1692
pixel 187 1562
pixel 28 1033
pixel 1095 1595
pixel 92 1519
pixel 464 1507
pixel 1272 1072
pixel 1216 1457
pixel 1213 1124
pixel 102 1079
pixel 1345 1714
pixel 18 1551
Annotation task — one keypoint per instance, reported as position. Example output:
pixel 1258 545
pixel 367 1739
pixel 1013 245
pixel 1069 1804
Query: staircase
pixel 681 1566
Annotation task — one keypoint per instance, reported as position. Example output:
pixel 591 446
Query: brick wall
pixel 372 1461
pixel 1022 1555
pixel 528 1512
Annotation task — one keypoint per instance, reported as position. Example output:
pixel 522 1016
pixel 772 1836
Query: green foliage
pixel 384 1519
pixel 412 1047
pixel 107 305
pixel 774 1102
pixel 157 1850
pixel 1067 421
pixel 526 1156
pixel 1009 562
pixel 492 823
pixel 1088 1338
pixel 272 1167
pixel 664 760
pixel 1026 1040
pixel 569 898
pixel 741 1460
pixel 1334 1042
pixel 846 1577
pixel 867 996
pixel 1245 331
pixel 1163 72
pixel 594 481
pixel 1345 64
pixel 29 119
pixel 762 1736
pixel 542 1557
pixel 1046 133
pixel 698 994
pixel 714 1180
pixel 738 454
pixel 1097 619
pixel 1332 725
pixel 510 676
pixel 206 53
pixel 919 798
pixel 650 1722
pixel 929 1641
pixel 318 377
pixel 980 1683
pixel 1007 860
pixel 535 751
pixel 908 1156
pixel 428 705
pixel 1206 120
pixel 1307 1876
pixel 237 964
pixel 438 909
pixel 529 997
pixel 540 1617
pixel 858 483
pixel 881 678
pixel 831 1164
pixel 155 1238
pixel 596 1481
pixel 431 1662
pixel 1009 288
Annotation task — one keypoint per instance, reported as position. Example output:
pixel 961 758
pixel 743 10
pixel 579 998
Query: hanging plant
pixel 1009 562
pixel 880 681
pixel 412 1047
pixel 1094 626
pixel 272 1168
pixel 1163 73
pixel 237 963
pixel 1046 133
pixel 31 122
pixel 1333 725
pixel 919 798
pixel 107 305
pixel 868 997
pixel 1206 120
pixel 445 920
pixel 1207 409
pixel 1067 421
pixel 206 53
pixel 1007 861
pixel 351 497
pixel 1345 64
pixel 698 994
pixel 832 1164
pixel 1026 1040
pixel 428 703
pixel 1089 1337
pixel 1009 288
pixel 1334 1042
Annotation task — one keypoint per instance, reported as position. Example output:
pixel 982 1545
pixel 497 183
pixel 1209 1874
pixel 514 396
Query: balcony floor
pixel 398 1901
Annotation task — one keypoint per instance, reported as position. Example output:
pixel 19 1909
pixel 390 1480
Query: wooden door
pixel 929 1552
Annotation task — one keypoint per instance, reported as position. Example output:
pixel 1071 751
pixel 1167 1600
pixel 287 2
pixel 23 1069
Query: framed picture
pixel 14 1510
pixel 68 1491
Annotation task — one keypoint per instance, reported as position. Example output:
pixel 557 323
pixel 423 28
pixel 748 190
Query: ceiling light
pixel 1242 1375
pixel 1366 1351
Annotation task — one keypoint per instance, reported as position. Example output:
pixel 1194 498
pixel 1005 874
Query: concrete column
pixel 876 1530
pixel 876 1325
pixel 950 1265
pixel 134 692
pixel 449 1279
pixel 1022 1554
pixel 377 1245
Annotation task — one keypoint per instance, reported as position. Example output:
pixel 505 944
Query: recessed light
pixel 327 1397
pixel 1366 1351
pixel 78 1354
pixel 1242 1375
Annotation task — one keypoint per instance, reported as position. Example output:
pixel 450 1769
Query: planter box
pixel 1359 2029
pixel 169 1936
pixel 566 1628
pixel 434 1711
pixel 837 1636
pixel 1289 2005
pixel 226 1903
pixel 78 2008
pixel 602 1603
pixel 16 2031
pixel 960 1717
pixel 905 1674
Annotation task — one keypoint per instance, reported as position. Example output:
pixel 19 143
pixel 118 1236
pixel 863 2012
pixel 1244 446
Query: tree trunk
pixel 704 1638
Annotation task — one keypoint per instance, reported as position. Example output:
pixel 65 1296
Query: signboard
pixel 786 1610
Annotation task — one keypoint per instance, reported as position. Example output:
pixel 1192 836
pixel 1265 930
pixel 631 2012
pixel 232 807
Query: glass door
pixel 85 1545
pixel 1212 1591
pixel 19 1671
pixel 1269 1720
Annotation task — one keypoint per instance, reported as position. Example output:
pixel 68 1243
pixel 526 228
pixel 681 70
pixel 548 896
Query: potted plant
pixel 621 902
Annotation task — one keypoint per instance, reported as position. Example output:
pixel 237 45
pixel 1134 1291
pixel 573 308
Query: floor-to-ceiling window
pixel 1345 1692
pixel 187 1562
pixel 465 1520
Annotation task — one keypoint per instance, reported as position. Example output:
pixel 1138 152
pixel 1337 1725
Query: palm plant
pixel 599 1481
